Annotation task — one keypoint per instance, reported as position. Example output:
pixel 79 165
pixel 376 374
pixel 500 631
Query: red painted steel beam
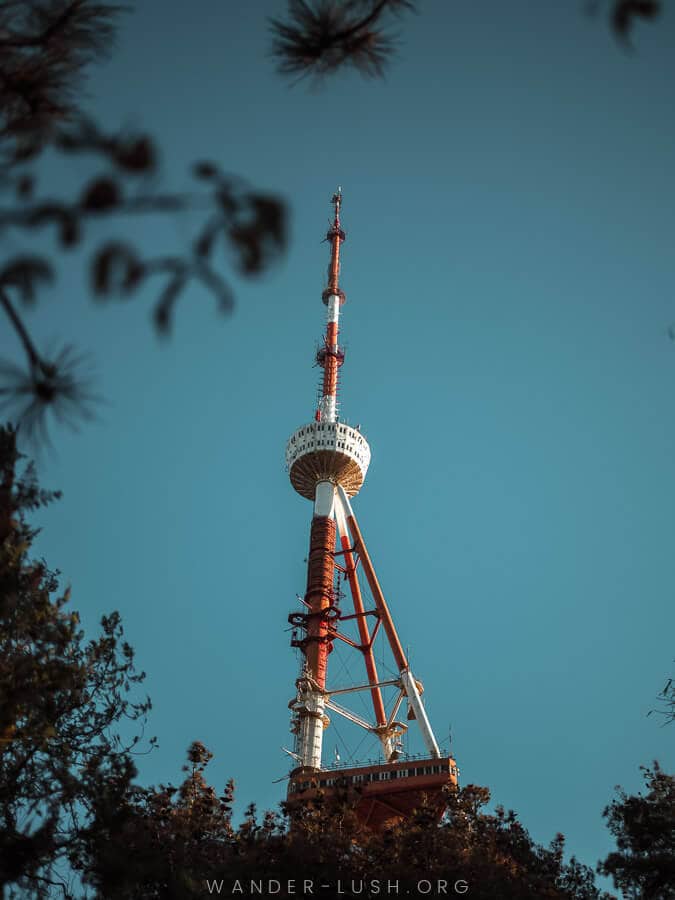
pixel 360 547
pixel 364 633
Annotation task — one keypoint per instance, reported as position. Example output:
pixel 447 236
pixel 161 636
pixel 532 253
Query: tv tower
pixel 327 461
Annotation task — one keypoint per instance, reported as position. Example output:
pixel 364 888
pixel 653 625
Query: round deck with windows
pixel 327 451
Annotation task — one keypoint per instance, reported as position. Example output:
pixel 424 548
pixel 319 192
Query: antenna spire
pixel 331 356
pixel 335 236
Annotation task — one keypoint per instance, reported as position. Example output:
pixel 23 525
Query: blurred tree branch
pixel 320 37
pixel 666 698
pixel 45 49
pixel 625 13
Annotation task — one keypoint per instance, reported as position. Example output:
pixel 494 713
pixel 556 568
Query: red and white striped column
pixel 331 357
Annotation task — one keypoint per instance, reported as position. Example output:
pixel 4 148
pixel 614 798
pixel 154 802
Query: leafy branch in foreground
pixel 175 842
pixel 644 827
pixel 625 14
pixel 45 49
pixel 321 37
pixel 241 225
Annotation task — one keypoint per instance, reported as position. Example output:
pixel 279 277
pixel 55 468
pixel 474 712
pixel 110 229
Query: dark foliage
pixel 172 842
pixel 45 49
pixel 644 827
pixel 626 13
pixel 322 36
pixel 159 842
pixel 57 382
pixel 62 699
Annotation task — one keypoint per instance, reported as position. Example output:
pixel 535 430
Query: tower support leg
pixel 320 599
pixel 408 682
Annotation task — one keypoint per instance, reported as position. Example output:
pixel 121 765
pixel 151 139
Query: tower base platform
pixel 387 792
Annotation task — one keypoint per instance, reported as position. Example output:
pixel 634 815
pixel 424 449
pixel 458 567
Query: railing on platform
pixel 402 769
pixel 362 764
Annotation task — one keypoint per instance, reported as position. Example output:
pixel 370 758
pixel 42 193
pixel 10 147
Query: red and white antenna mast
pixel 330 356
pixel 327 462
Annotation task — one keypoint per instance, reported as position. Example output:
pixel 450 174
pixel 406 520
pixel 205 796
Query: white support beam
pixel 415 701
pixel 395 682
pixel 396 707
pixel 348 714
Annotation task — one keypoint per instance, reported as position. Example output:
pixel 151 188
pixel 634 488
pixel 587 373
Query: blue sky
pixel 509 203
